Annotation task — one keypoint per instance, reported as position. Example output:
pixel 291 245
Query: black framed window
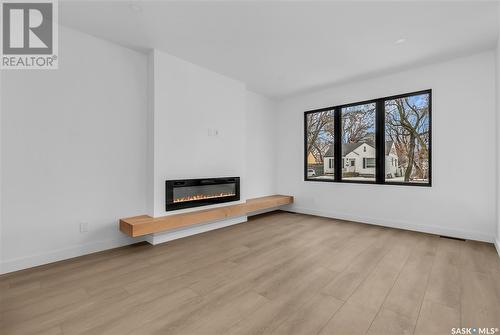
pixel 407 134
pixel 320 133
pixel 382 141
pixel 358 141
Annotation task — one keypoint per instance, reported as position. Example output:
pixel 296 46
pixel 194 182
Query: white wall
pixel 203 124
pixel 462 200
pixel 1 215
pixel 497 95
pixel 261 145
pixel 188 101
pixel 95 141
pixel 73 149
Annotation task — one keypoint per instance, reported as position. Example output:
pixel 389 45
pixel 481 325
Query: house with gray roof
pixel 358 159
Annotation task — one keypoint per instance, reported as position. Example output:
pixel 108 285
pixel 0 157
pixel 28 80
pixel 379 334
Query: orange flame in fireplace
pixel 203 197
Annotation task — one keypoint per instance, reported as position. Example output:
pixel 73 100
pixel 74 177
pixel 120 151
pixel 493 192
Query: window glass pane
pixel 358 142
pixel 407 139
pixel 319 145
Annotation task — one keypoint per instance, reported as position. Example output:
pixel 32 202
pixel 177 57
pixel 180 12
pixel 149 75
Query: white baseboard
pixel 158 238
pixel 63 254
pixel 468 235
pixel 497 245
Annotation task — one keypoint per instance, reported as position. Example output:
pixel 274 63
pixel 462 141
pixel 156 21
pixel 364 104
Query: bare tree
pixel 357 123
pixel 408 126
pixel 319 133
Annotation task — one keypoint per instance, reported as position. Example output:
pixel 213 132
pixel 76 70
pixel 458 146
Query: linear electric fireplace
pixel 186 193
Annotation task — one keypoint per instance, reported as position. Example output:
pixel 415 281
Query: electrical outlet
pixel 84 227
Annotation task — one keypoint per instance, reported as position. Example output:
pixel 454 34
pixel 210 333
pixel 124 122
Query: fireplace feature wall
pixel 187 193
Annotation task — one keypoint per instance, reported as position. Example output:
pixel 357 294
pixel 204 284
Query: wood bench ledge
pixel 145 224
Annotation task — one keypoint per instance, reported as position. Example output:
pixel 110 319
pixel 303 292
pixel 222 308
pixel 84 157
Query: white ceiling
pixel 282 48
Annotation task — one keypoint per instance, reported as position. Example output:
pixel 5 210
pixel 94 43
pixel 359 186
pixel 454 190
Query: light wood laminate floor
pixel 279 273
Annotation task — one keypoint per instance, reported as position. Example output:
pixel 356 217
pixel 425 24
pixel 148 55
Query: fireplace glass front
pixel 188 193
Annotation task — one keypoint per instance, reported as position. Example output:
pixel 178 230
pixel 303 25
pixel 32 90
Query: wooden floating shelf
pixel 145 224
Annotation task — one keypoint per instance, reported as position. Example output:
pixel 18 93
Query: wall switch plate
pixel 84 227
pixel 213 132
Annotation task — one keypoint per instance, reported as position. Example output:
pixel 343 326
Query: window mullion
pixel 380 142
pixel 337 144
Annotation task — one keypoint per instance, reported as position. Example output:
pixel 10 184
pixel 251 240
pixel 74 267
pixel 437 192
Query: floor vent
pixel 452 238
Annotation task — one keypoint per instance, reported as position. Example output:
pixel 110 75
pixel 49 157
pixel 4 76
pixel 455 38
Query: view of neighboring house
pixel 311 159
pixel 358 159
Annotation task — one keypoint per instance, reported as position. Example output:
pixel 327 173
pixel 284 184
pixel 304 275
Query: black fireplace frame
pixel 169 192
